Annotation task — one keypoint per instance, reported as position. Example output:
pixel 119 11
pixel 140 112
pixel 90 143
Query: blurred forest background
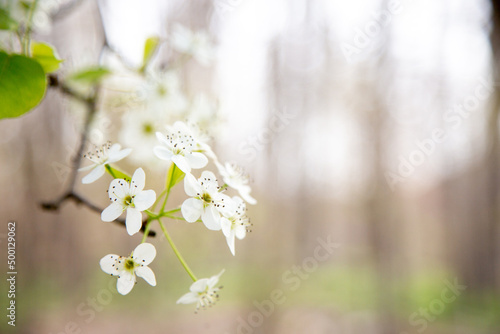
pixel 372 123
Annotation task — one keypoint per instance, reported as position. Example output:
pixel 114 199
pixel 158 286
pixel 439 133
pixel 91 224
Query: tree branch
pixel 90 103
pixel 79 200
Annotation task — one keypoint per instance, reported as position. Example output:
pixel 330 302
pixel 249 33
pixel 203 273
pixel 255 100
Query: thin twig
pixel 54 206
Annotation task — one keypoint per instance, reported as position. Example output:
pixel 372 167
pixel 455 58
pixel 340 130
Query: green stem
pixel 146 231
pixel 20 40
pixel 27 38
pixel 172 211
pixel 173 217
pixel 176 251
pixel 152 214
pixel 159 198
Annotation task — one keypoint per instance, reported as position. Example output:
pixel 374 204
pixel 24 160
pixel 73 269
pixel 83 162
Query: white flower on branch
pixel 101 157
pixel 203 292
pixel 235 225
pixel 206 201
pixel 181 148
pixel 130 197
pixel 235 177
pixel 127 268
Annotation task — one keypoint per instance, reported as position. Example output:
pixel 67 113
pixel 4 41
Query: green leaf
pixel 90 75
pixel 7 22
pixel 117 174
pixel 150 48
pixel 175 175
pixel 26 5
pixel 46 55
pixel 22 84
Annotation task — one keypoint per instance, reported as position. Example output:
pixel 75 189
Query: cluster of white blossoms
pixel 207 200
pixel 157 101
pixel 155 137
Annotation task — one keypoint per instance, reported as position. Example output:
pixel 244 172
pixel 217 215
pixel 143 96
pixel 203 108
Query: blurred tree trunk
pixel 478 263
pixel 379 201
pixel 493 157
pixel 378 210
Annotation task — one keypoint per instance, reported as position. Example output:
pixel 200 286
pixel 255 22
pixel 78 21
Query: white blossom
pixel 235 225
pixel 235 177
pixel 163 94
pixel 206 201
pixel 127 268
pixel 138 131
pixel 180 147
pixel 102 156
pixel 130 197
pixel 203 292
pixel 194 43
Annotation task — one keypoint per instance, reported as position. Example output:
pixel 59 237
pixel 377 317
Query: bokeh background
pixel 372 124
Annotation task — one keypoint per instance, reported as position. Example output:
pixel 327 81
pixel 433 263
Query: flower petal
pixel 118 189
pixel 215 279
pixel 108 264
pixel 226 226
pixel 125 283
pixel 146 273
pixel 133 221
pixel 182 163
pixel 210 184
pixel 144 199
pixel 182 127
pixel 199 286
pixel 163 153
pixel 113 211
pixel 192 209
pixel 196 160
pixel 94 175
pixel 240 231
pixel 208 175
pixel 244 192
pixel 83 169
pixel 211 218
pixel 230 242
pixel 138 181
pixel 162 139
pixel 191 186
pixel 144 254
pixel 228 207
pixel 188 298
pixel 119 155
